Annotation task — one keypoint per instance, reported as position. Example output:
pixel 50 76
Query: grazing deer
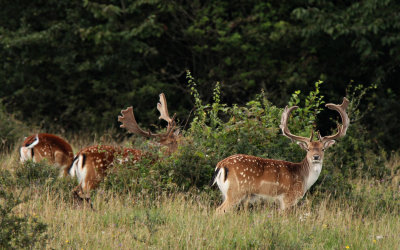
pixel 91 164
pixel 47 146
pixel 245 176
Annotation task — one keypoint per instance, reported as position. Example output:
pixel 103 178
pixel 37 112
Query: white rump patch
pixel 72 170
pixel 34 143
pixel 78 170
pixel 222 184
pixel 25 154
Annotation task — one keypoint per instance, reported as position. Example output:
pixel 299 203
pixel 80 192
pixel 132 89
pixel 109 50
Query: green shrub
pixel 35 174
pixel 218 131
pixel 42 176
pixel 141 177
pixel 17 231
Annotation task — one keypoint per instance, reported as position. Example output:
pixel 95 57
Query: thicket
pixel 219 130
pixel 17 231
pixel 73 65
pixel 17 186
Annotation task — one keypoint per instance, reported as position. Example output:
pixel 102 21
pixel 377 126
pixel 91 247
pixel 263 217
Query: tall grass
pixel 187 220
pixel 184 221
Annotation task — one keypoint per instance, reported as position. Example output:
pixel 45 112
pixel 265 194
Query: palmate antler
pixel 163 109
pixel 129 122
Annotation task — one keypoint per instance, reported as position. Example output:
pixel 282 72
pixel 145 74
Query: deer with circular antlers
pixel 245 176
pixel 91 163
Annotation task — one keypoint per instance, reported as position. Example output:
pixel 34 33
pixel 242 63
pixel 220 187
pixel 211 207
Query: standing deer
pixel 91 164
pixel 245 176
pixel 47 146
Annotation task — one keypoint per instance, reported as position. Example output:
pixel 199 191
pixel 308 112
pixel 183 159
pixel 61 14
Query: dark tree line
pixel 75 64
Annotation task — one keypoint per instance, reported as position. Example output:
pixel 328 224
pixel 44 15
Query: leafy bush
pixel 140 177
pixel 31 173
pixel 17 231
pixel 42 176
pixel 218 131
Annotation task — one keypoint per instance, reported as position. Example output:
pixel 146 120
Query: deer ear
pixel 303 145
pixel 329 143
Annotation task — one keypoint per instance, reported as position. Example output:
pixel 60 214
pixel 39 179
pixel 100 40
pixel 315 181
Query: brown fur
pixel 98 160
pixel 251 175
pixel 53 148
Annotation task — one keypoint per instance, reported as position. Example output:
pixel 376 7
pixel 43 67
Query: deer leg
pixel 77 194
pixel 59 158
pixel 289 201
pixel 86 193
pixel 81 195
pixel 229 202
pixel 224 207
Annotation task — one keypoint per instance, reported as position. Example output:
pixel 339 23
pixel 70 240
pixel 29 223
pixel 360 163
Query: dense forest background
pixel 73 65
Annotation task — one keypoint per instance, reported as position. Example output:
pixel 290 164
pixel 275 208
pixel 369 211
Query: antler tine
pixel 163 109
pixel 129 123
pixel 345 119
pixel 284 125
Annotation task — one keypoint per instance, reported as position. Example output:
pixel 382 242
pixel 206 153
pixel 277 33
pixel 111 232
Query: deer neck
pixel 311 171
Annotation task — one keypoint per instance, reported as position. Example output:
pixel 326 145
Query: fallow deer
pixel 47 146
pixel 245 176
pixel 91 164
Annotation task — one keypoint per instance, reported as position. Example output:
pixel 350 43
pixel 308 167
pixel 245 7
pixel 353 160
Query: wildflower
pixel 374 241
pixel 324 226
pixel 67 241
pixel 379 237
pixel 347 247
